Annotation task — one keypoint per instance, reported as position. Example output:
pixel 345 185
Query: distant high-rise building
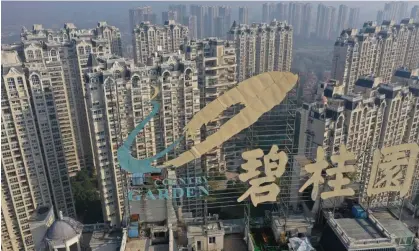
pixel 243 15
pixel 383 48
pixel 182 15
pixel 306 20
pixel 353 17
pixel 209 21
pixel 23 174
pixel 199 11
pixel 268 12
pixel 193 27
pixel 170 15
pixel 380 16
pixel 326 21
pixel 281 11
pixel 224 14
pixel 295 16
pixel 342 18
pixel 393 11
pixel 147 41
pixel 139 15
pixel 261 48
pixel 415 13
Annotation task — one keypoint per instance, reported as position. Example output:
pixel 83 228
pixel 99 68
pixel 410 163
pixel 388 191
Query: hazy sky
pixel 86 14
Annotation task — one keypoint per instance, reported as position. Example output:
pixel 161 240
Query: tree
pixel 85 192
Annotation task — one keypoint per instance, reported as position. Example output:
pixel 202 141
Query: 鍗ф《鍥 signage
pixel 172 189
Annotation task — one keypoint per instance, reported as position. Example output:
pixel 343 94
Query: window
pixel 30 54
pixel 211 239
pixel 81 50
pixel 35 80
pixel 118 74
pixel 88 49
pixel 11 83
pixel 38 54
pixel 53 53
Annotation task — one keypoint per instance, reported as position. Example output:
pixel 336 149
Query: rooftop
pixel 102 240
pixel 359 229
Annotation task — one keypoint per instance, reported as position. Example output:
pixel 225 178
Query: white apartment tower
pixel 150 38
pixel 216 63
pixel 375 49
pixel 108 104
pixel 112 35
pixel 262 48
pixel 374 116
pixel 24 183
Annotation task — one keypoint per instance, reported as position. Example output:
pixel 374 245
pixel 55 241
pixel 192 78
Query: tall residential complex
pixel 415 13
pixel 393 11
pixel 342 18
pixel 169 15
pixel 192 27
pixel 295 16
pixel 216 63
pixel 141 14
pixel 268 12
pixel 378 114
pixel 353 18
pixel 375 49
pixel 108 103
pixel 150 38
pixel 199 11
pixel 181 13
pixel 243 15
pixel 112 35
pixel 306 20
pixel 261 48
pixel 325 22
pixel 24 183
pixel 217 21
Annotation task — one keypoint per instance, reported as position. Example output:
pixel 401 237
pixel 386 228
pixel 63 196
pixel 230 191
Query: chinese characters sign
pixel 392 171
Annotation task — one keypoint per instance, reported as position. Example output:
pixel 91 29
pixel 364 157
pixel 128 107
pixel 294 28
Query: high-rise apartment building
pixel 375 49
pixel 295 16
pixel 281 11
pixel 210 27
pixel 243 15
pixel 24 183
pixel 393 11
pixel 415 13
pixel 342 18
pixel 268 12
pixel 170 15
pixel 112 35
pixel 182 14
pixel 377 114
pixel 192 27
pixel 261 48
pixel 199 11
pixel 325 22
pixel 216 63
pixel 306 21
pixel 108 104
pixel 141 14
pixel 353 17
pixel 150 38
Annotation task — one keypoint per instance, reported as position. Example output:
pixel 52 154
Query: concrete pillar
pixel 67 247
pixel 78 245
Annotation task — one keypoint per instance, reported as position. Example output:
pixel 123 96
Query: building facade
pixel 375 49
pixel 261 48
pixel 149 38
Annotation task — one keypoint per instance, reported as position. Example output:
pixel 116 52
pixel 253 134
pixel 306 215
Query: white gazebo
pixel 64 234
